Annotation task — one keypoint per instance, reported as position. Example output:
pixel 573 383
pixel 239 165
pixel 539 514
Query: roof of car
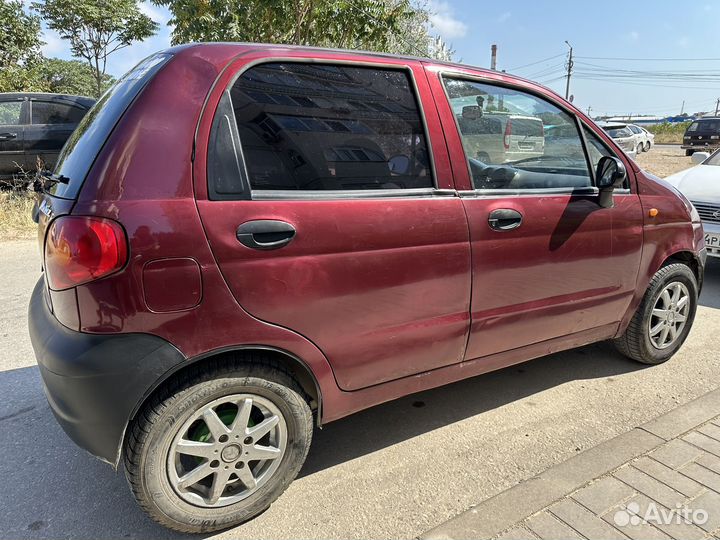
pixel 360 54
pixel 81 100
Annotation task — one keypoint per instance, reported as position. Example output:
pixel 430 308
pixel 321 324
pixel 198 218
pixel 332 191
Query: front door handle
pixel 7 136
pixel 504 219
pixel 265 234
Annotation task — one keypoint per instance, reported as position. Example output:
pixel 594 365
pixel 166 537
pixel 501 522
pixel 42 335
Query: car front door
pixel 331 213
pixel 13 114
pixel 548 261
pixel 52 124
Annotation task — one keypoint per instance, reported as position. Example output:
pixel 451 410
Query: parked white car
pixel 643 138
pixel 701 185
pixel 623 136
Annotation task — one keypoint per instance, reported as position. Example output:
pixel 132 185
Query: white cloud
pixel 443 21
pixel 504 17
pixel 160 16
pixel 634 35
pixel 54 44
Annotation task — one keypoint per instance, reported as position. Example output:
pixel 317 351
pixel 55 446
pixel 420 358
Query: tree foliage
pixel 70 77
pixel 97 28
pixel 19 46
pixel 397 26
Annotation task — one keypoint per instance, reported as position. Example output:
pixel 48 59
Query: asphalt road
pixel 393 471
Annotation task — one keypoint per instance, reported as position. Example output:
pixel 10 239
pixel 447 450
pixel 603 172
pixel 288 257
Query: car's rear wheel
pixel 218 446
pixel 664 317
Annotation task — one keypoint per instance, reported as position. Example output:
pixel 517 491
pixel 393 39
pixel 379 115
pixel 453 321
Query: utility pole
pixel 493 57
pixel 569 71
pixel 588 112
pixel 717 106
pixel 682 109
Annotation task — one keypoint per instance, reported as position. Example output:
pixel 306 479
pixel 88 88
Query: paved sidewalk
pixel 623 488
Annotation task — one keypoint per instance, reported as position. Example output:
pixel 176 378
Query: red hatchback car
pixel 242 241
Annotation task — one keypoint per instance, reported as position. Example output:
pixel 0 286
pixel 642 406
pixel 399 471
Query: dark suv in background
pixel 33 126
pixel 703 134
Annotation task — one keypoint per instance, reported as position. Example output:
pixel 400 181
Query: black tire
pixel 151 434
pixel 635 343
pixel 640 148
pixel 647 146
pixel 689 152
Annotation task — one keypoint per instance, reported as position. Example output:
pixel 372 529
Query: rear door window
pixel 319 127
pixel 47 112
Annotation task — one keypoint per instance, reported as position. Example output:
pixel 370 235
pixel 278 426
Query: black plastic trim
pixel 94 382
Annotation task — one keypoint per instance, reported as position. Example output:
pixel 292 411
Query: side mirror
pixel 609 176
pixel 699 157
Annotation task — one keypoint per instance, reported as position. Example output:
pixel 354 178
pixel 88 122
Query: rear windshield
pixel 705 126
pixel 83 146
pixel 527 127
pixel 619 133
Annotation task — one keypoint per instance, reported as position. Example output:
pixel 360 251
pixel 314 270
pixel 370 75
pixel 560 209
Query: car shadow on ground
pixel 51 489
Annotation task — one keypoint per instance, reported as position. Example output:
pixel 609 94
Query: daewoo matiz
pixel 243 241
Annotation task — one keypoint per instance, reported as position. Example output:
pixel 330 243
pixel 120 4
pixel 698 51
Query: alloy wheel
pixel 669 315
pixel 227 450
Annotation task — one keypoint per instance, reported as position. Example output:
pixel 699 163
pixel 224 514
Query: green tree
pixel 365 24
pixel 70 77
pixel 97 28
pixel 19 47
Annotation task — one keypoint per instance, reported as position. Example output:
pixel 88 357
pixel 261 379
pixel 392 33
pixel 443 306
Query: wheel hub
pixel 230 453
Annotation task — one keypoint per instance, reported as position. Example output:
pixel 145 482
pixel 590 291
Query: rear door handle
pixel 265 234
pixel 504 219
pixel 7 136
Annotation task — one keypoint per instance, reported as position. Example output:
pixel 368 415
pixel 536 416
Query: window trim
pixel 589 190
pixel 255 194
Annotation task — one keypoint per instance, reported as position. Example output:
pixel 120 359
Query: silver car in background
pixel 701 185
pixel 622 135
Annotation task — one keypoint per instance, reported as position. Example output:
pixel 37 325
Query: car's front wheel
pixel 664 317
pixel 218 446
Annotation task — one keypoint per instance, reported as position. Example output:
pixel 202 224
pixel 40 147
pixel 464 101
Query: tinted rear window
pixel 326 127
pixel 526 127
pixel 703 126
pixel 83 146
pixel 47 112
pixel 619 133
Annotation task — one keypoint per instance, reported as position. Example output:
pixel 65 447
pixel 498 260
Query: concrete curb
pixel 498 513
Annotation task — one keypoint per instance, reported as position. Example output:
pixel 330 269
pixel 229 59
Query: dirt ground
pixel 664 160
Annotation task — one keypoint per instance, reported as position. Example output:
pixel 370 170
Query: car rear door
pixel 547 260
pixel 332 212
pixel 52 123
pixel 13 114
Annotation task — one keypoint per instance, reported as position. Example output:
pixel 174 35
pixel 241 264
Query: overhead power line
pixel 649 59
pixel 537 62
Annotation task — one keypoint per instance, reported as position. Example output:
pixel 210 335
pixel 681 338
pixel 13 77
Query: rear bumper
pixel 698 145
pixel 95 382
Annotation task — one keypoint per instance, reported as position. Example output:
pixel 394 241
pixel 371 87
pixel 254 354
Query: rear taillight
pixel 508 133
pixel 81 249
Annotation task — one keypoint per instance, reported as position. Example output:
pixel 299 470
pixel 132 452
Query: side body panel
pixel 379 284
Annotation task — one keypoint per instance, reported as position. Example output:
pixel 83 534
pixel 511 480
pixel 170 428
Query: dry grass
pixel 16 216
pixel 664 161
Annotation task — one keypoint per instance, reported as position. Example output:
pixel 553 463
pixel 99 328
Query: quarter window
pixel 316 127
pixel 514 140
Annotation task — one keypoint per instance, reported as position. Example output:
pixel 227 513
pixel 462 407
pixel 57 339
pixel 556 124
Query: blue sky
pixel 528 31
